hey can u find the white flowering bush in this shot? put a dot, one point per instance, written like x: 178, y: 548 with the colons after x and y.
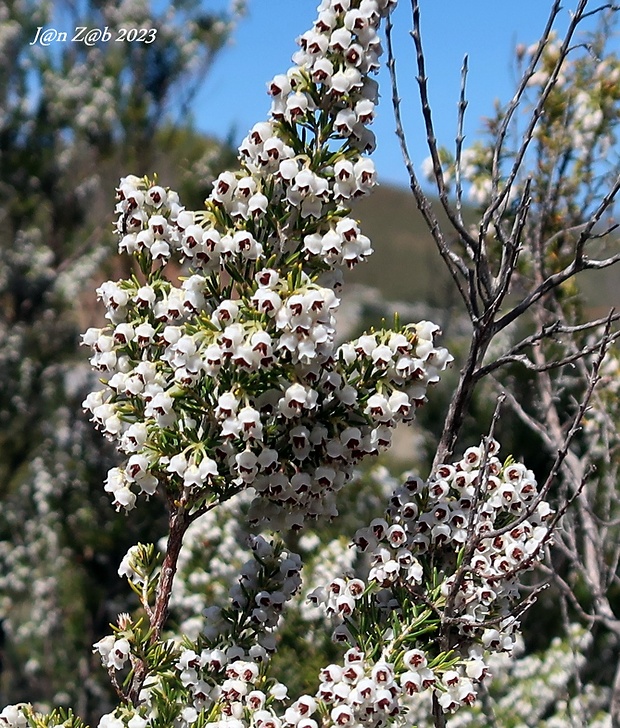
x: 534, y: 689
x: 226, y: 392
x: 69, y: 112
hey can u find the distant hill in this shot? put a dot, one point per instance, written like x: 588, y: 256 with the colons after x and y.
x: 406, y: 265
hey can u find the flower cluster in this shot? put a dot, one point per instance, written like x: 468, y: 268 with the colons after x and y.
x: 114, y: 651
x: 255, y: 390
x: 268, y: 580
x: 476, y: 504
x: 381, y: 692
x: 533, y: 685
x: 233, y: 379
x: 584, y: 92
x: 224, y: 669
x: 456, y: 546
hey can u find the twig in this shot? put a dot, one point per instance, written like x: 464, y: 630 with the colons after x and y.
x: 462, y: 106
x: 499, y: 196
x: 513, y: 357
x: 422, y: 80
x: 563, y: 449
x: 456, y: 266
x: 553, y: 281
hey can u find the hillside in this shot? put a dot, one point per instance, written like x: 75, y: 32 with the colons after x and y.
x: 406, y: 266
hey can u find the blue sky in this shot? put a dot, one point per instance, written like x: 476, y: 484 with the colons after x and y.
x: 234, y: 95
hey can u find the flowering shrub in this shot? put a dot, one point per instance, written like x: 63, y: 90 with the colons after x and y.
x: 70, y: 112
x: 226, y: 382
x: 239, y: 361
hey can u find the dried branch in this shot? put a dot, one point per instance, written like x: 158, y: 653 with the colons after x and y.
x: 498, y: 197
x: 596, y: 216
x: 459, y: 142
x: 456, y: 266
x: 550, y: 283
x: 513, y: 356
x: 563, y: 449
x: 422, y: 80
x: 510, y: 252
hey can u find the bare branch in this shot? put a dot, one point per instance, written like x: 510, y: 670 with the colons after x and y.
x: 422, y: 79
x: 459, y: 142
x: 605, y: 204
x: 510, y: 251
x: 439, y: 719
x: 456, y: 266
x: 530, y: 421
x: 607, y: 6
x: 567, y: 591
x: 563, y: 449
x: 498, y: 197
x: 513, y: 356
x: 178, y: 521
x: 553, y: 281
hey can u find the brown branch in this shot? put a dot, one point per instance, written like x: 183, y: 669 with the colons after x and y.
x: 548, y: 331
x: 178, y: 523
x: 606, y: 203
x: 498, y: 197
x: 422, y: 80
x: 456, y: 266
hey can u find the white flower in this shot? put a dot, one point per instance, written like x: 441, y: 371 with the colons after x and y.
x: 12, y: 717
x: 137, y: 721
x: 110, y: 721
x: 127, y: 569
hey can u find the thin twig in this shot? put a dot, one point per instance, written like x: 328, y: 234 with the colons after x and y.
x: 513, y: 357
x: 498, y: 197
x: 563, y: 449
x: 422, y: 80
x: 462, y: 106
x: 456, y: 266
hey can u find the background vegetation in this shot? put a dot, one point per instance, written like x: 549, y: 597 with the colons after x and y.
x: 70, y: 122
